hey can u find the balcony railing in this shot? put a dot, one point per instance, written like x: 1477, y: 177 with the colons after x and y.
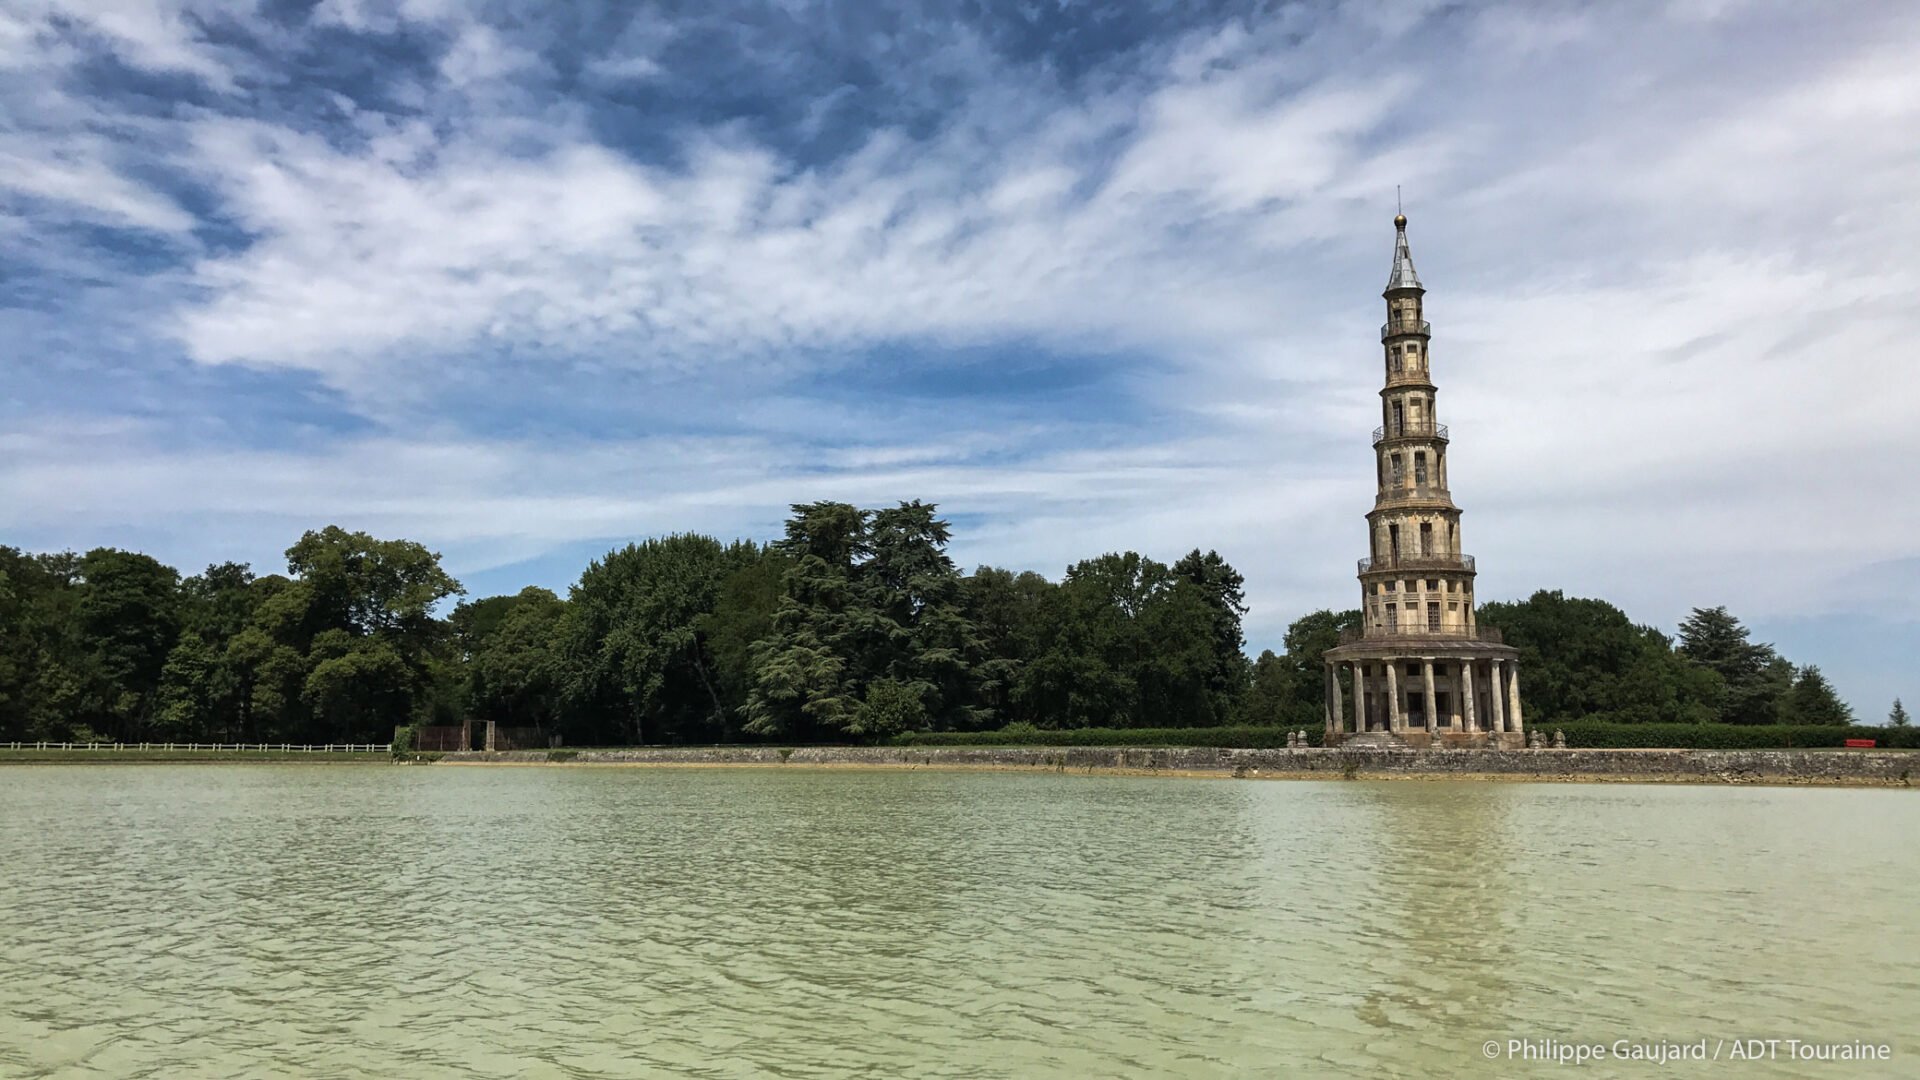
x: 1397, y: 327
x: 1404, y: 561
x: 1413, y: 431
x: 1488, y: 634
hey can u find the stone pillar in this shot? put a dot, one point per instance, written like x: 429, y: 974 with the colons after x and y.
x: 1496, y: 690
x: 1433, y: 707
x: 489, y: 736
x: 1466, y: 696
x: 1339, y: 702
x: 1455, y: 718
x: 1332, y: 721
x: 466, y: 734
x: 1513, y: 689
x: 1395, y: 722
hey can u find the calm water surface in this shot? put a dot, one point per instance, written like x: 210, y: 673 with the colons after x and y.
x: 378, y: 921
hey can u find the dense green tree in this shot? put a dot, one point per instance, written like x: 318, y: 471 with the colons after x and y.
x: 512, y: 648
x: 194, y: 693
x: 1812, y: 700
x: 1009, y: 613
x: 370, y: 587
x: 1224, y: 591
x: 46, y: 676
x: 1290, y: 689
x: 267, y: 662
x: 128, y: 619
x: 1126, y: 643
x: 1269, y: 698
x: 203, y: 694
x: 854, y: 625
x: 360, y: 614
x: 359, y: 688
x: 925, y: 644
x: 804, y: 680
x: 1898, y: 716
x: 870, y: 599
x: 636, y: 665
x: 1584, y: 659
x: 1754, y: 676
x: 742, y: 615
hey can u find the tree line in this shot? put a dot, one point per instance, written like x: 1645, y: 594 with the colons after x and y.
x: 854, y: 625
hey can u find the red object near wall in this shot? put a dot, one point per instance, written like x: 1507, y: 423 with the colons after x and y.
x: 1865, y: 744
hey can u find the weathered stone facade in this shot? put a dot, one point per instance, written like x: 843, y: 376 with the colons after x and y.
x: 1421, y: 670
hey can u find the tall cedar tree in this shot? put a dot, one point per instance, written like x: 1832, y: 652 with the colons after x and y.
x: 871, y: 637
x: 1754, y: 675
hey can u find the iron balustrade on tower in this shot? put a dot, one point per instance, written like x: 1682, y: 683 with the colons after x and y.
x: 1416, y: 562
x: 1401, y: 327
x: 1410, y: 431
x: 1489, y: 634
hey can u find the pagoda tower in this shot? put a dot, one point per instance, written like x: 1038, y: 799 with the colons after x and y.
x: 1421, y: 670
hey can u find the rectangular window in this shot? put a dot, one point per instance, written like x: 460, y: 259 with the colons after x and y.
x: 1433, y: 586
x: 1433, y: 616
x: 1426, y: 539
x: 1419, y: 466
x: 1393, y: 617
x: 1392, y: 586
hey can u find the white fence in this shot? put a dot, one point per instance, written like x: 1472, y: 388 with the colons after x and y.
x: 292, y: 748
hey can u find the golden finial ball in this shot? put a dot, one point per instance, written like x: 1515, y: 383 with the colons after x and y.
x: 1399, y: 221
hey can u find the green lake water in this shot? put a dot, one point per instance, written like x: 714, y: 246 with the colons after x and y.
x: 381, y: 921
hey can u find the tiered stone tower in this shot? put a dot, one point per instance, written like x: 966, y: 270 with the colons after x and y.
x: 1422, y: 672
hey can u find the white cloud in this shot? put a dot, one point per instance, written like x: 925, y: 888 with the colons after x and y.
x: 78, y: 177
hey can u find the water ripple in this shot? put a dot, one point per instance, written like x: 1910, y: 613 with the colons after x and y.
x: 290, y: 921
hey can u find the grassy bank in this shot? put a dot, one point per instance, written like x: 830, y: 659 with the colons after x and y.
x: 127, y: 756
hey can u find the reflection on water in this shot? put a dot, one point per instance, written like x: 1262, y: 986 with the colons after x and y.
x: 340, y: 921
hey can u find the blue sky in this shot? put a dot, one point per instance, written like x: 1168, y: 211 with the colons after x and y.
x: 528, y: 280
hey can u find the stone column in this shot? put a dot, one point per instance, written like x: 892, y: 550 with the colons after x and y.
x: 1361, y: 692
x: 1339, y: 703
x: 1327, y: 678
x: 1395, y: 722
x: 489, y: 736
x: 1513, y: 689
x: 1433, y: 707
x: 1466, y: 696
x: 466, y: 734
x: 1496, y: 690
x: 1455, y: 719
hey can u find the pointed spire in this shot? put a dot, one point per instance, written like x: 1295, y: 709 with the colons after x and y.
x: 1403, y: 276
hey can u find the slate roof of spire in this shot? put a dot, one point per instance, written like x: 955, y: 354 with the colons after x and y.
x: 1403, y: 276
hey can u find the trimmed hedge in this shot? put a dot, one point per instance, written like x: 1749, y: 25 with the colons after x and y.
x: 1601, y: 734
x: 1591, y: 734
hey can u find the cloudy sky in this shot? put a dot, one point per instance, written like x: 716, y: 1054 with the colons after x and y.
x: 526, y: 280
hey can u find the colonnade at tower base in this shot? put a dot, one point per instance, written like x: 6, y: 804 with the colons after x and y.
x: 1444, y: 692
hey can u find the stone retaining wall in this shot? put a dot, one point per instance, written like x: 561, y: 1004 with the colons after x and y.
x: 1858, y: 767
